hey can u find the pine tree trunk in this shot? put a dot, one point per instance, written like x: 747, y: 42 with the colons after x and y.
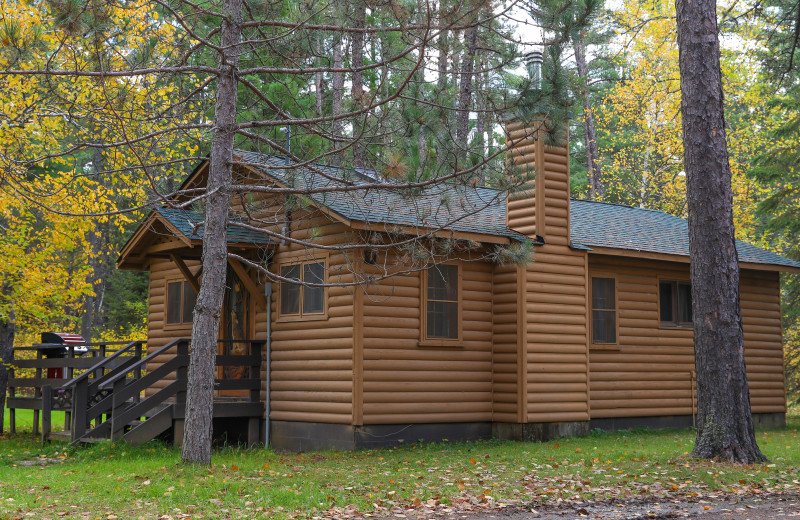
x: 7, y: 330
x: 338, y: 93
x: 724, y: 420
x: 465, y: 92
x: 207, y: 311
x: 590, y: 136
x: 318, y: 94
x: 357, y: 89
x: 444, y: 54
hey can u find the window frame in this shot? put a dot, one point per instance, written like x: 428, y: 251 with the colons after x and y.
x: 607, y: 345
x: 672, y: 325
x: 302, y: 261
x: 180, y: 325
x: 424, y: 340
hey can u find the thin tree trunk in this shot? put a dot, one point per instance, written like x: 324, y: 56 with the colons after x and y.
x: 98, y: 258
x: 724, y: 420
x: 444, y: 54
x: 590, y: 136
x: 357, y: 89
x: 465, y: 92
x: 7, y: 331
x: 207, y: 311
x: 318, y: 75
x: 643, y: 182
x: 338, y: 93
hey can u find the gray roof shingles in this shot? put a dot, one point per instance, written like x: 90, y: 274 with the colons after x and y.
x: 187, y: 222
x: 597, y: 224
x: 482, y: 210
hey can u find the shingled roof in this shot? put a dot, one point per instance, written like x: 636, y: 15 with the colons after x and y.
x: 483, y: 210
x: 439, y: 206
x: 187, y: 222
x: 598, y: 224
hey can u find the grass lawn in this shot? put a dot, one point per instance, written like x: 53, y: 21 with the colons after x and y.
x: 116, y: 481
x: 25, y: 420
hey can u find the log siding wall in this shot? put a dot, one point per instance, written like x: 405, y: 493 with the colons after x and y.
x: 557, y: 356
x: 408, y: 383
x: 650, y: 372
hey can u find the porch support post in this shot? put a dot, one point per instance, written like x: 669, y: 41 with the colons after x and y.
x: 185, y: 271
x: 248, y: 282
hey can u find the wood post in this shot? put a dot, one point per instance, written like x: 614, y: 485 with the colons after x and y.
x: 47, y: 407
x: 117, y: 429
x: 80, y: 398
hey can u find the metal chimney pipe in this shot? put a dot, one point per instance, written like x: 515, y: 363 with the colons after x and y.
x: 533, y: 62
x: 287, y: 130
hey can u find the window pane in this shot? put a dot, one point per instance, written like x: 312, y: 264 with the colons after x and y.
x: 290, y: 292
x: 314, y: 297
x: 443, y: 282
x: 665, y: 301
x: 684, y: 303
x: 604, y: 326
x: 603, y: 293
x: 174, y: 302
x: 442, y: 320
x: 189, y: 299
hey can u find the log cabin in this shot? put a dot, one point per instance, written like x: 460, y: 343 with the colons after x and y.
x: 375, y: 348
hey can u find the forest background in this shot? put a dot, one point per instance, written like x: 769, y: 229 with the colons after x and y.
x: 75, y: 181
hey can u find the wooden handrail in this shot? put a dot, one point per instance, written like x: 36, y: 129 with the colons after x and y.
x: 100, y: 364
x: 143, y: 362
x: 39, y: 346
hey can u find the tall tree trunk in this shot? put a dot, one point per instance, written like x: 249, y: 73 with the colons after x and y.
x: 7, y: 331
x: 589, y: 135
x: 318, y: 75
x: 465, y: 91
x: 724, y: 420
x: 98, y: 257
x: 643, y: 182
x: 207, y: 311
x: 441, y: 87
x: 357, y: 89
x: 338, y: 94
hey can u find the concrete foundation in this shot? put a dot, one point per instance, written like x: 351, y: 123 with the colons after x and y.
x: 306, y: 436
x: 539, y: 432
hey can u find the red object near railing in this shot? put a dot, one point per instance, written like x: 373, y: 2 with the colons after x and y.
x: 61, y: 338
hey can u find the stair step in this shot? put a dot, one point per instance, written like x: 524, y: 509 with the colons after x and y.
x: 151, y: 428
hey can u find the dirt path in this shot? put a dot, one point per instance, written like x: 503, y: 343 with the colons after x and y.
x: 762, y: 507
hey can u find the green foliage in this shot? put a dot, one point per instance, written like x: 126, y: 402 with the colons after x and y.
x: 126, y: 301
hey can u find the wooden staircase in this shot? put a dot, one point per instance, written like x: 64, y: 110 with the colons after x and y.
x: 116, y: 400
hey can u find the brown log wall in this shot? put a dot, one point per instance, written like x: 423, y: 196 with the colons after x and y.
x: 556, y: 336
x: 649, y: 373
x: 312, y: 361
x: 158, y: 332
x: 506, y: 347
x: 404, y: 382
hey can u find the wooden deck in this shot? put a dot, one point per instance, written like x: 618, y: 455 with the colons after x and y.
x: 107, y: 393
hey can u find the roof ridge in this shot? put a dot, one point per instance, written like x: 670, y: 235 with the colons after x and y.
x: 626, y: 206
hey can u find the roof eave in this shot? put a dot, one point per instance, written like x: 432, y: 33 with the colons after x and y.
x: 684, y: 259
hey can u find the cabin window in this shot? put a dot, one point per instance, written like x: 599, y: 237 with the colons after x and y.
x: 181, y: 298
x: 441, y: 303
x: 675, y: 303
x: 298, y: 299
x: 604, y: 310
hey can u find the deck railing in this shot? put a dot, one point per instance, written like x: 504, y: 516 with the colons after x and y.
x: 106, y: 389
x: 138, y: 407
x: 43, y: 369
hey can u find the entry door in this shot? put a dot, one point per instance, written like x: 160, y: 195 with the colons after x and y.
x: 236, y: 327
